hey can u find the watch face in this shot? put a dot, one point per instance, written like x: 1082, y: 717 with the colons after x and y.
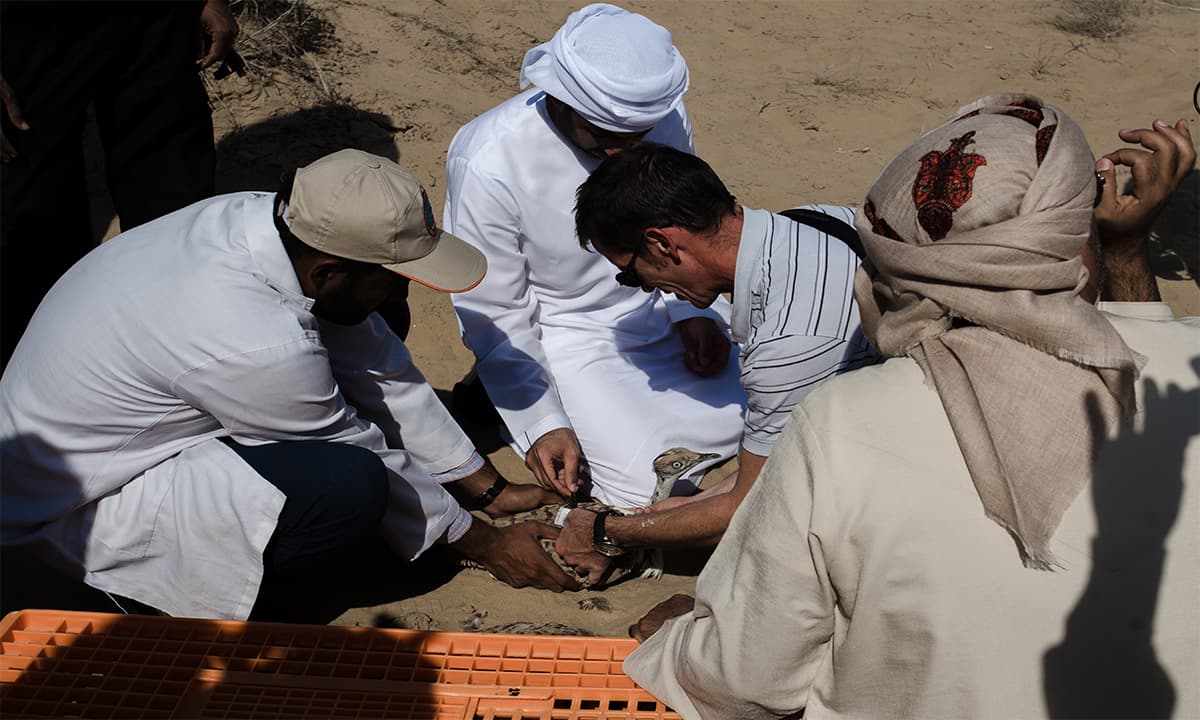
x: 601, y: 543
x: 608, y: 549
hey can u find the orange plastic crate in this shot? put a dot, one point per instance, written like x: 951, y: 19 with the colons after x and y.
x: 93, y: 665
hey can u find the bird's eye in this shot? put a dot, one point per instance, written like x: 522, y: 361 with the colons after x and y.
x: 677, y: 464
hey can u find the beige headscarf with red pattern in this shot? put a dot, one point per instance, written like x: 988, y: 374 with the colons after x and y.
x: 973, y: 236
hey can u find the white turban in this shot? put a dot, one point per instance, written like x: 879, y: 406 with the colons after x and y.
x: 617, y: 69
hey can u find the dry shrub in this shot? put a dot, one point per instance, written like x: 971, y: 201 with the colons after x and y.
x: 277, y: 34
x: 283, y: 43
x: 1100, y: 19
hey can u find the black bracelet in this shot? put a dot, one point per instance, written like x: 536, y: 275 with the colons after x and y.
x: 487, y: 497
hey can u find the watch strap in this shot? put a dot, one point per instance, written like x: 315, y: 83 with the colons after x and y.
x: 488, y: 496
x: 599, y: 534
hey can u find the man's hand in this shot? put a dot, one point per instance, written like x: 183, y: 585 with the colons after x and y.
x: 519, y: 497
x: 674, y: 606
x: 705, y: 347
x: 515, y: 554
x: 555, y: 460
x: 1125, y: 220
x: 574, y: 544
x: 13, y: 110
x: 514, y: 498
x: 216, y: 21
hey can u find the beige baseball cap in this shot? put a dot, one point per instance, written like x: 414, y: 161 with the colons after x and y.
x: 364, y: 207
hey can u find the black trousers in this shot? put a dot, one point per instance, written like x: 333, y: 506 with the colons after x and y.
x: 336, y: 497
x: 135, y: 63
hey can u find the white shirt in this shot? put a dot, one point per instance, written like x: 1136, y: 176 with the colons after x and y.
x: 559, y: 342
x: 794, y: 315
x: 155, y: 345
x: 860, y: 578
x: 511, y: 181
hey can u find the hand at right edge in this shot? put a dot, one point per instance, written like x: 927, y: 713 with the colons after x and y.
x: 648, y: 624
x: 1123, y: 221
x: 15, y: 116
x: 1158, y: 167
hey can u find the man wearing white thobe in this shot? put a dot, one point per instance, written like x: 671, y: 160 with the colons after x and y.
x: 209, y: 399
x: 563, y: 350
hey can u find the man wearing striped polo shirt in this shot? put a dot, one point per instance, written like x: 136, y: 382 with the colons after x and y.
x: 666, y: 220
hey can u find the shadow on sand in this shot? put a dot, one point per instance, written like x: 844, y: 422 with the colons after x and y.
x: 1106, y: 664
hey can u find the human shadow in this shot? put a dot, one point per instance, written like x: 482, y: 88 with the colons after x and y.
x: 37, y: 573
x: 661, y: 364
x: 373, y: 574
x: 32, y: 574
x: 1106, y: 665
x: 1174, y: 248
x: 60, y: 664
x: 105, y: 664
x: 100, y: 663
x: 471, y: 404
x: 254, y: 156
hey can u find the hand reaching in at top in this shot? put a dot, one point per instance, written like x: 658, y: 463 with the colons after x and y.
x: 1158, y: 168
x: 1123, y: 221
x: 13, y: 110
x: 218, y: 23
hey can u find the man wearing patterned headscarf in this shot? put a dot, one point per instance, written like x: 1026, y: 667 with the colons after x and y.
x: 1002, y: 519
x: 592, y: 378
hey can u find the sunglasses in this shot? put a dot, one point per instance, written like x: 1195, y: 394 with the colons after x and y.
x: 628, y: 276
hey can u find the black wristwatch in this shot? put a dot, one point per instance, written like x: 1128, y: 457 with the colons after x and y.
x: 601, y: 542
x: 486, y: 497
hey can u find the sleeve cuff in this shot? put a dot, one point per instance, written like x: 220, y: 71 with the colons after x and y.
x: 758, y: 446
x: 1137, y: 310
x: 529, y: 436
x: 471, y: 465
x: 459, y: 526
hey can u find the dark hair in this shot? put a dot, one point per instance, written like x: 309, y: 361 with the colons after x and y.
x: 283, y: 196
x: 649, y: 186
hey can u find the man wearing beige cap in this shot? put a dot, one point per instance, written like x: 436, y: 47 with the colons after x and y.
x: 206, y: 407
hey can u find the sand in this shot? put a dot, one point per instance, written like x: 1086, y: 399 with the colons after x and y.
x: 792, y: 102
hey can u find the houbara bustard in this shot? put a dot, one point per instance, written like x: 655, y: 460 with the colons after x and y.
x: 669, y: 467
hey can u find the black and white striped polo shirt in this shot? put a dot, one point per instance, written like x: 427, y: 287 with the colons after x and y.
x: 794, y: 315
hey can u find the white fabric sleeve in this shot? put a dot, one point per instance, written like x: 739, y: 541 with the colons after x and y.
x: 728, y: 658
x: 779, y: 371
x: 471, y: 466
x: 460, y: 526
x: 1158, y: 311
x: 296, y: 398
x: 497, y: 318
x: 379, y: 379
